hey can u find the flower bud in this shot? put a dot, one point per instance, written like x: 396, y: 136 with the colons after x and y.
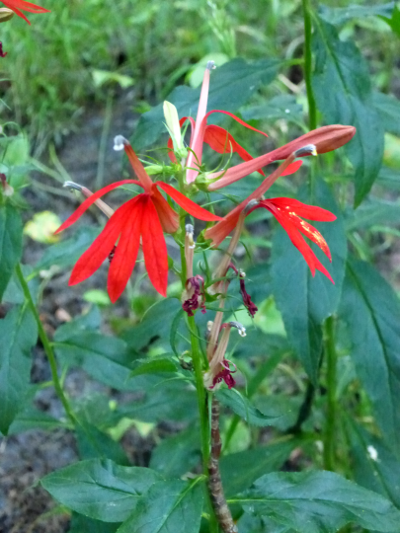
x: 324, y: 139
x: 5, y: 14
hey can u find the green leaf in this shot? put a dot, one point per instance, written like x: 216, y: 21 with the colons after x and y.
x: 93, y: 444
x: 154, y: 365
x: 82, y: 524
x: 373, y: 212
x: 283, y: 106
x: 67, y: 252
x: 315, y: 502
x: 375, y: 466
x: 168, y: 506
x: 231, y: 86
x: 32, y: 418
x: 340, y: 65
x: 18, y: 333
x: 339, y: 15
x: 177, y: 455
x: 155, y: 326
x: 388, y: 108
x: 105, y: 358
x: 371, y: 311
x: 305, y: 302
x: 167, y: 400
x: 100, y: 489
x: 245, y: 409
x: 174, y: 330
x: 10, y: 243
x: 240, y: 470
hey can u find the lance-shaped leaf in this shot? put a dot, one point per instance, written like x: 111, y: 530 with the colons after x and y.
x: 10, y: 243
x: 100, y: 489
x: 340, y: 65
x: 375, y: 466
x: 169, y: 506
x: 315, y: 502
x: 371, y: 311
x: 305, y: 302
x: 18, y: 333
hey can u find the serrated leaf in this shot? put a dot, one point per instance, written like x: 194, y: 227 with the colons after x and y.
x: 371, y: 311
x: 305, y: 302
x: 18, y: 334
x: 167, y: 506
x: 315, y: 502
x: 375, y: 466
x: 340, y: 65
x: 245, y: 409
x: 176, y: 455
x: 100, y: 489
x: 240, y: 470
x: 10, y: 243
x: 231, y: 86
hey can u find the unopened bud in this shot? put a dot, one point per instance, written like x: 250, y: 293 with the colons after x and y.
x: 5, y: 14
x: 120, y: 142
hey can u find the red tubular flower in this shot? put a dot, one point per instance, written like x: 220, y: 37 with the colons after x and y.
x: 139, y: 221
x: 288, y: 213
x: 17, y: 5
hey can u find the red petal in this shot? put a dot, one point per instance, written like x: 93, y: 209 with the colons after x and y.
x: 154, y: 248
x: 221, y: 141
x: 292, y: 168
x: 90, y: 201
x: 297, y: 240
x: 139, y: 169
x: 168, y: 217
x: 25, y: 6
x: 235, y: 118
x: 124, y: 259
x: 188, y: 205
x: 100, y: 249
x: 312, y: 212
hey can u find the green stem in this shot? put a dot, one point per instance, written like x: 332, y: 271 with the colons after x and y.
x: 330, y: 425
x: 46, y: 344
x: 312, y: 108
x: 201, y: 393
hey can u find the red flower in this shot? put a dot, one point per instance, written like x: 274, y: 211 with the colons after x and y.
x: 17, y: 5
x: 139, y: 221
x: 288, y: 213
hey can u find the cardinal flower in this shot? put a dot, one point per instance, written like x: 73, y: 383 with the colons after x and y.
x: 17, y: 5
x: 288, y: 213
x: 138, y: 222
